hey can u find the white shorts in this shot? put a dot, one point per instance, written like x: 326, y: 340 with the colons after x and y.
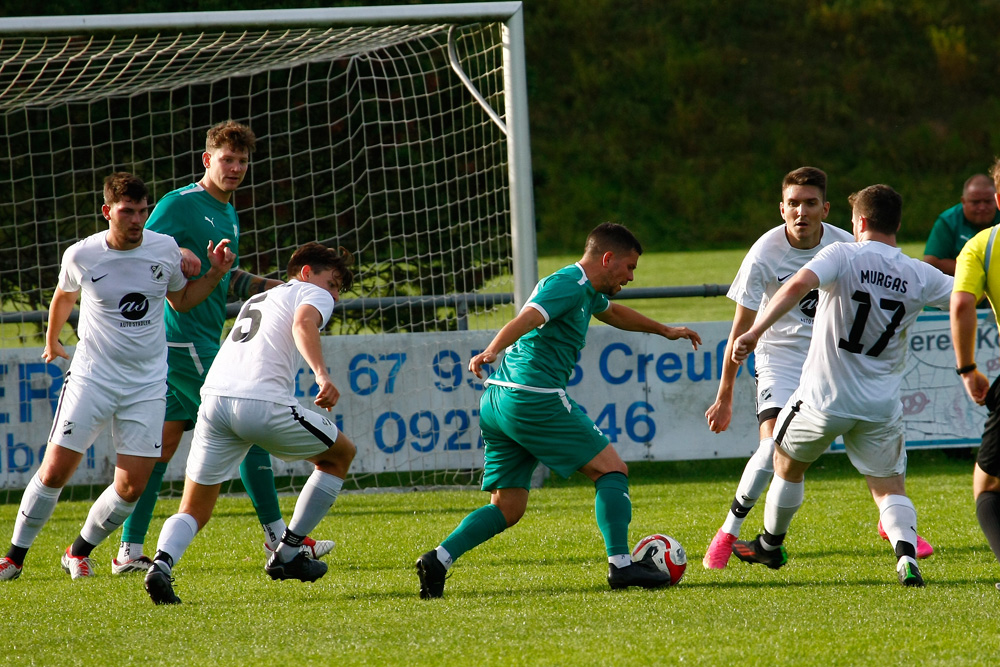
x: 227, y: 426
x: 775, y: 385
x: 875, y: 449
x: 135, y: 414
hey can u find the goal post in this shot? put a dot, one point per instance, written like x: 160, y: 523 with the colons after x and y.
x: 399, y: 132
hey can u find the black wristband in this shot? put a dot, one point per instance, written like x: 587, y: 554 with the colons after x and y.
x: 966, y: 369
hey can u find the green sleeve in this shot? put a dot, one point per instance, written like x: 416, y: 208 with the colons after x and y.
x: 941, y: 242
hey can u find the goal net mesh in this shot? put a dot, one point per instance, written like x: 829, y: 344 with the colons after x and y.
x: 367, y: 139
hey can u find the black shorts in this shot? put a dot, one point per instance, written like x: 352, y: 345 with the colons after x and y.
x: 989, y: 452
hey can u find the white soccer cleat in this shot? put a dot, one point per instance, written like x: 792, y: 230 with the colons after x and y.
x: 8, y: 570
x: 140, y: 564
x: 314, y: 549
x: 77, y: 567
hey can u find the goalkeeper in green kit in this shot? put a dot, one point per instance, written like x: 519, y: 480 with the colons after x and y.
x: 193, y: 215
x: 526, y: 416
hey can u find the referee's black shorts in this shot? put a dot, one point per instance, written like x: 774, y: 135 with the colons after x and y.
x: 989, y: 452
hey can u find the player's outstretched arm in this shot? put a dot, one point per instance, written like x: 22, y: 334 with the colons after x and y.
x: 629, y: 319
x: 963, y: 338
x: 221, y: 258
x: 305, y: 333
x: 720, y: 413
x: 59, y: 312
x: 527, y: 320
x: 244, y: 284
x: 784, y: 300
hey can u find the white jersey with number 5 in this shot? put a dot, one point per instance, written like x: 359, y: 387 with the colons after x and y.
x: 870, y: 293
x: 258, y: 359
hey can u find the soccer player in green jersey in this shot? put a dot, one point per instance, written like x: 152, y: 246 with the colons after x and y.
x: 194, y: 215
x: 526, y: 416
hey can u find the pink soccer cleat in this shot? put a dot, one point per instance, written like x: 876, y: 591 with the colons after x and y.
x: 719, y: 551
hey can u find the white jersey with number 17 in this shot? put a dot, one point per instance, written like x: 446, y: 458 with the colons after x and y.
x: 258, y: 359
x: 870, y: 293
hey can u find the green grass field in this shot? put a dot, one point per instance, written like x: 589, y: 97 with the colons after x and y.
x: 535, y: 595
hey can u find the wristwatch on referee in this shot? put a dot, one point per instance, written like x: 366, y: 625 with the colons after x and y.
x: 962, y: 370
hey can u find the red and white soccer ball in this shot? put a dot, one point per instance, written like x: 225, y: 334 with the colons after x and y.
x: 667, y: 553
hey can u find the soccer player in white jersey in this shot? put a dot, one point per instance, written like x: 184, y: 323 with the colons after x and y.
x: 774, y: 258
x: 118, y: 373
x: 258, y: 405
x: 869, y: 295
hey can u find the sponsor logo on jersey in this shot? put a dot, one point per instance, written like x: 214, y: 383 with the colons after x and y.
x: 782, y: 279
x: 808, y: 303
x: 210, y: 221
x: 133, y: 306
x: 94, y: 279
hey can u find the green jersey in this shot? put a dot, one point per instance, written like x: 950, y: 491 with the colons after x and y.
x: 545, y: 357
x: 193, y: 217
x: 950, y: 233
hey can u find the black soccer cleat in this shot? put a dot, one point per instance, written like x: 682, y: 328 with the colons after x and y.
x: 159, y: 586
x: 642, y: 573
x: 909, y: 574
x: 432, y: 575
x: 301, y: 567
x: 752, y: 552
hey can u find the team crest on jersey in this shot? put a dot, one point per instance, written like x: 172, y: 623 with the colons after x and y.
x: 157, y: 271
x: 67, y: 427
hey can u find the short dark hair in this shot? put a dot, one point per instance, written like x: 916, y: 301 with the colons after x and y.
x: 611, y: 236
x: 881, y: 206
x: 321, y: 258
x: 122, y: 184
x: 232, y: 135
x: 994, y: 174
x: 805, y: 176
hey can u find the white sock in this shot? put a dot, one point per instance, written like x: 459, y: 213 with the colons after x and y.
x: 176, y: 536
x: 37, y: 504
x: 106, y: 515
x: 444, y: 557
x: 621, y: 560
x: 129, y: 551
x: 756, y: 475
x: 783, y: 500
x: 273, y: 532
x: 899, y: 520
x: 317, y: 497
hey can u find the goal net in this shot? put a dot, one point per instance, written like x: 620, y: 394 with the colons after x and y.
x: 399, y: 133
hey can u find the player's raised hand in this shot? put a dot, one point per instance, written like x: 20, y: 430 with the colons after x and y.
x: 328, y: 395
x: 477, y: 362
x: 220, y: 256
x: 744, y: 345
x: 673, y: 333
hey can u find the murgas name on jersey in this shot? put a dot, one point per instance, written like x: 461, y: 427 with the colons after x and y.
x: 879, y: 279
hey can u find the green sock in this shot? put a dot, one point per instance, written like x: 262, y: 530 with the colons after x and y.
x: 614, y: 511
x: 258, y: 480
x: 137, y: 524
x: 475, y: 529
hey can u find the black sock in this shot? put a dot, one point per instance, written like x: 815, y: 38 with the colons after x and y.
x: 291, y: 539
x: 905, y: 549
x: 739, y: 511
x: 81, y: 547
x: 988, y: 513
x: 165, y: 557
x: 773, y: 540
x: 17, y: 554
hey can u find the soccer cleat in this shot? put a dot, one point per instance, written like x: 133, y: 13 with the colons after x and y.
x: 432, y: 574
x: 719, y: 551
x: 639, y: 573
x: 140, y: 564
x: 9, y: 570
x: 909, y: 574
x: 301, y: 567
x: 78, y: 567
x: 924, y: 548
x: 159, y: 585
x: 314, y: 549
x: 753, y: 552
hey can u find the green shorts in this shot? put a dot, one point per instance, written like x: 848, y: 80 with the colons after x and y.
x: 186, y: 370
x: 521, y: 428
